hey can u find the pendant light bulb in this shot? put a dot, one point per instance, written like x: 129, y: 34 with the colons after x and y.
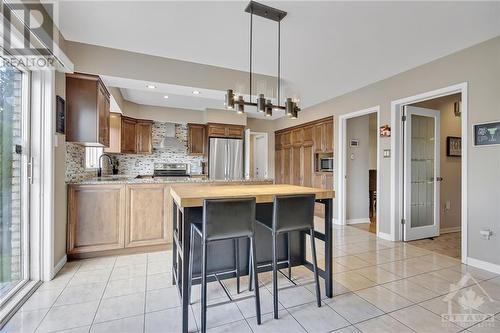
x: 241, y: 105
x: 269, y: 108
x: 289, y: 106
x: 229, y: 99
x: 261, y: 103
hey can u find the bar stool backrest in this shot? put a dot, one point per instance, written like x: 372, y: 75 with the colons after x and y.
x: 293, y: 212
x: 228, y: 218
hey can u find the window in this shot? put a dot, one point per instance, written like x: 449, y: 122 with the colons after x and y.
x: 92, y: 155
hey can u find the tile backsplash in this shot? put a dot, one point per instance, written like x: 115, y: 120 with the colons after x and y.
x: 137, y: 164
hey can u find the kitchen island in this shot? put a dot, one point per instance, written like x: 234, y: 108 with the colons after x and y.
x: 125, y: 214
x: 187, y: 209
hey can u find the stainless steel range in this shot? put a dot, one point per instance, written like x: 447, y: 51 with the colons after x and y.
x: 177, y: 171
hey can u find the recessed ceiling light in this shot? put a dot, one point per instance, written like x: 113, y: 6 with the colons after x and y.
x: 166, y: 96
x: 150, y: 86
x: 196, y: 92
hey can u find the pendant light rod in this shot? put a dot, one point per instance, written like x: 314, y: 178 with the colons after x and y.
x: 251, y: 38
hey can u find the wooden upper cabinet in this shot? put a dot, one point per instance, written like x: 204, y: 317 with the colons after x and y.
x: 286, y: 139
x: 128, y: 135
x: 225, y: 131
x: 307, y: 136
x: 197, y: 139
x: 115, y: 130
x: 87, y: 116
x: 297, y: 136
x: 329, y: 136
x: 277, y: 141
x: 144, y: 136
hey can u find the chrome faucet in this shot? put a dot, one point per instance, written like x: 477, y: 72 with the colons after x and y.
x: 99, y: 171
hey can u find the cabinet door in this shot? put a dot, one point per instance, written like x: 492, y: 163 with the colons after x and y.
x: 277, y: 141
x: 235, y: 132
x: 146, y: 221
x: 103, y: 115
x: 96, y: 218
x: 286, y: 139
x: 115, y: 128
x: 144, y: 138
x: 216, y: 131
x: 278, y: 166
x: 286, y: 173
x: 297, y: 136
x: 196, y: 139
x: 319, y: 137
x: 296, y: 165
x: 128, y: 136
x: 328, y: 181
x: 307, y: 165
x: 329, y: 136
x: 307, y: 136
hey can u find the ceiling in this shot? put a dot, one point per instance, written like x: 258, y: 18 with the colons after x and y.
x: 328, y: 48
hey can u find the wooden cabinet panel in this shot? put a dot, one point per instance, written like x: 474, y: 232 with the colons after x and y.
x: 87, y: 104
x: 115, y: 129
x: 144, y: 136
x: 95, y: 218
x: 319, y: 137
x: 278, y: 166
x: 328, y: 181
x: 128, y: 135
x: 197, y: 139
x: 329, y: 136
x: 286, y: 173
x: 307, y: 135
x: 235, y: 131
x: 297, y: 136
x: 307, y: 165
x: 296, y: 165
x: 277, y: 141
x: 146, y: 222
x: 216, y: 131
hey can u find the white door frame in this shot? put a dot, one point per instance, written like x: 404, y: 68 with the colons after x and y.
x: 397, y: 157
x: 342, y: 162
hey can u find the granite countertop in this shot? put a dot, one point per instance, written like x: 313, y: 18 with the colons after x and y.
x: 132, y: 179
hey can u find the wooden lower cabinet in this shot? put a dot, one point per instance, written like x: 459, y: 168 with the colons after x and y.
x: 147, y: 213
x: 96, y: 218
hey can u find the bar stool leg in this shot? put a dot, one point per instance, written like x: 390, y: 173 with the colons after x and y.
x: 204, y: 288
x: 275, y: 276
x: 289, y: 244
x: 256, y: 279
x: 315, y: 266
x: 237, y: 263
x: 190, y: 274
x: 250, y: 271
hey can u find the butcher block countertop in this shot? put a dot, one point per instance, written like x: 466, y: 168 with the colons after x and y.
x: 192, y: 195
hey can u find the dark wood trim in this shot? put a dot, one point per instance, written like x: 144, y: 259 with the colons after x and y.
x: 128, y: 250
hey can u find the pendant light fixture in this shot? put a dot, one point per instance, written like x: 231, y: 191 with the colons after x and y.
x: 263, y: 105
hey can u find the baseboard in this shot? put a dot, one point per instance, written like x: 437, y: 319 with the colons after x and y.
x: 336, y: 221
x: 449, y: 230
x: 358, y: 221
x: 383, y: 235
x: 58, y: 266
x: 487, y: 266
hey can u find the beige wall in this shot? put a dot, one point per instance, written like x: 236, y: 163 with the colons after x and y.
x: 480, y: 67
x: 450, y: 167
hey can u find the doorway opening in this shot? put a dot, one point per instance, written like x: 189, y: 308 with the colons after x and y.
x: 256, y: 156
x: 358, y: 175
x: 429, y: 175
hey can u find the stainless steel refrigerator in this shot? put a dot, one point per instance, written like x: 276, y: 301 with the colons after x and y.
x: 225, y: 159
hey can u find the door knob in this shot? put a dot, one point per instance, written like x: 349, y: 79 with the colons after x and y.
x: 439, y: 179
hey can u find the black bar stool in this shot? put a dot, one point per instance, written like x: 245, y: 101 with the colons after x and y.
x: 291, y: 213
x: 224, y: 220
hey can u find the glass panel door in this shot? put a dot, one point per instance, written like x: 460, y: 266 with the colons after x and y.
x: 14, y: 153
x: 421, y: 173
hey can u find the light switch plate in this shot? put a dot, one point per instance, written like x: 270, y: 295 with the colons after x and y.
x: 387, y: 153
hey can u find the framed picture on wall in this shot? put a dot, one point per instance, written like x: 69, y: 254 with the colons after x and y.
x: 487, y: 134
x: 385, y: 131
x: 454, y: 146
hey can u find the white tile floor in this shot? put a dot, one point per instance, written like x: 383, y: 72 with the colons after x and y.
x: 380, y: 286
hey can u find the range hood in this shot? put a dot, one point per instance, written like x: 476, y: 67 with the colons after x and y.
x: 170, y: 141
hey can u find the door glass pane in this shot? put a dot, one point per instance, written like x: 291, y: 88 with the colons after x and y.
x: 11, y: 226
x: 422, y: 170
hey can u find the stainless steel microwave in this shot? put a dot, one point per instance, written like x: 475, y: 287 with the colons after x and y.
x: 325, y: 163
